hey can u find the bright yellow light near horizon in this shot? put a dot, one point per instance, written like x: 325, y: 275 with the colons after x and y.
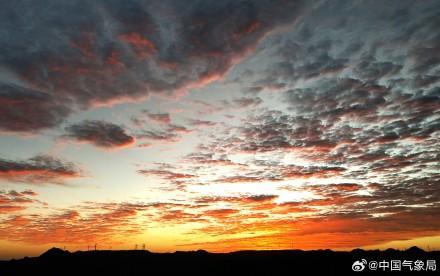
x: 430, y: 243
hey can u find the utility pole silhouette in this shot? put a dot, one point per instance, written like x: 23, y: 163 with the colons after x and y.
x: 135, y: 247
x: 95, y: 246
x: 143, y: 246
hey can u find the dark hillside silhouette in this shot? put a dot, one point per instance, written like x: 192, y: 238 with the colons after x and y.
x: 142, y: 262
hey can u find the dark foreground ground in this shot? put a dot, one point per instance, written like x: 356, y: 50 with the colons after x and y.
x: 285, y: 262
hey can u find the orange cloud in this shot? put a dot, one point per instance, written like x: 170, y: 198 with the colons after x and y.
x: 143, y: 46
x: 39, y: 169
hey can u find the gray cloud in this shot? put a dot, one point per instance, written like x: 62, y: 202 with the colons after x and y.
x: 201, y: 123
x: 99, y: 133
x: 243, y: 102
x: 83, y: 54
x: 163, y: 118
x: 38, y: 170
x: 24, y: 109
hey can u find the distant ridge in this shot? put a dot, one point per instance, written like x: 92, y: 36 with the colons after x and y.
x: 415, y: 250
x: 54, y: 252
x: 56, y: 261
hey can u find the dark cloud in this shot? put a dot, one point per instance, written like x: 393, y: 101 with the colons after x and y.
x: 24, y: 109
x: 201, y: 123
x: 371, y: 70
x: 178, y: 129
x: 348, y: 137
x: 158, y: 135
x: 84, y: 54
x: 243, y: 102
x: 253, y: 89
x: 333, y: 46
x: 172, y: 133
x: 201, y: 158
x: 38, y: 170
x: 204, y: 107
x: 168, y: 133
x: 336, y: 98
x: 163, y: 118
x: 296, y: 172
x: 99, y: 133
x: 260, y: 198
x: 274, y: 130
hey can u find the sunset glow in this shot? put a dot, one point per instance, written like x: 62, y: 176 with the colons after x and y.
x: 219, y: 125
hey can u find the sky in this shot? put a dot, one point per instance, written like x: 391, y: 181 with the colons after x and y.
x: 219, y: 125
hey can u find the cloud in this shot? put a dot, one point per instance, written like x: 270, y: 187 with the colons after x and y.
x: 157, y: 135
x: 13, y: 201
x: 239, y: 179
x: 172, y: 133
x: 106, y: 52
x: 163, y: 118
x: 343, y: 152
x: 40, y: 169
x: 220, y: 214
x: 273, y: 130
x: 168, y: 175
x: 296, y: 172
x: 260, y: 198
x: 201, y: 158
x: 243, y: 200
x: 178, y: 129
x: 201, y: 123
x: 369, y: 69
x: 204, y: 107
x: 330, y: 232
x: 99, y: 133
x: 87, y: 223
x: 178, y: 216
x: 258, y: 214
x: 243, y: 102
x: 24, y: 109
